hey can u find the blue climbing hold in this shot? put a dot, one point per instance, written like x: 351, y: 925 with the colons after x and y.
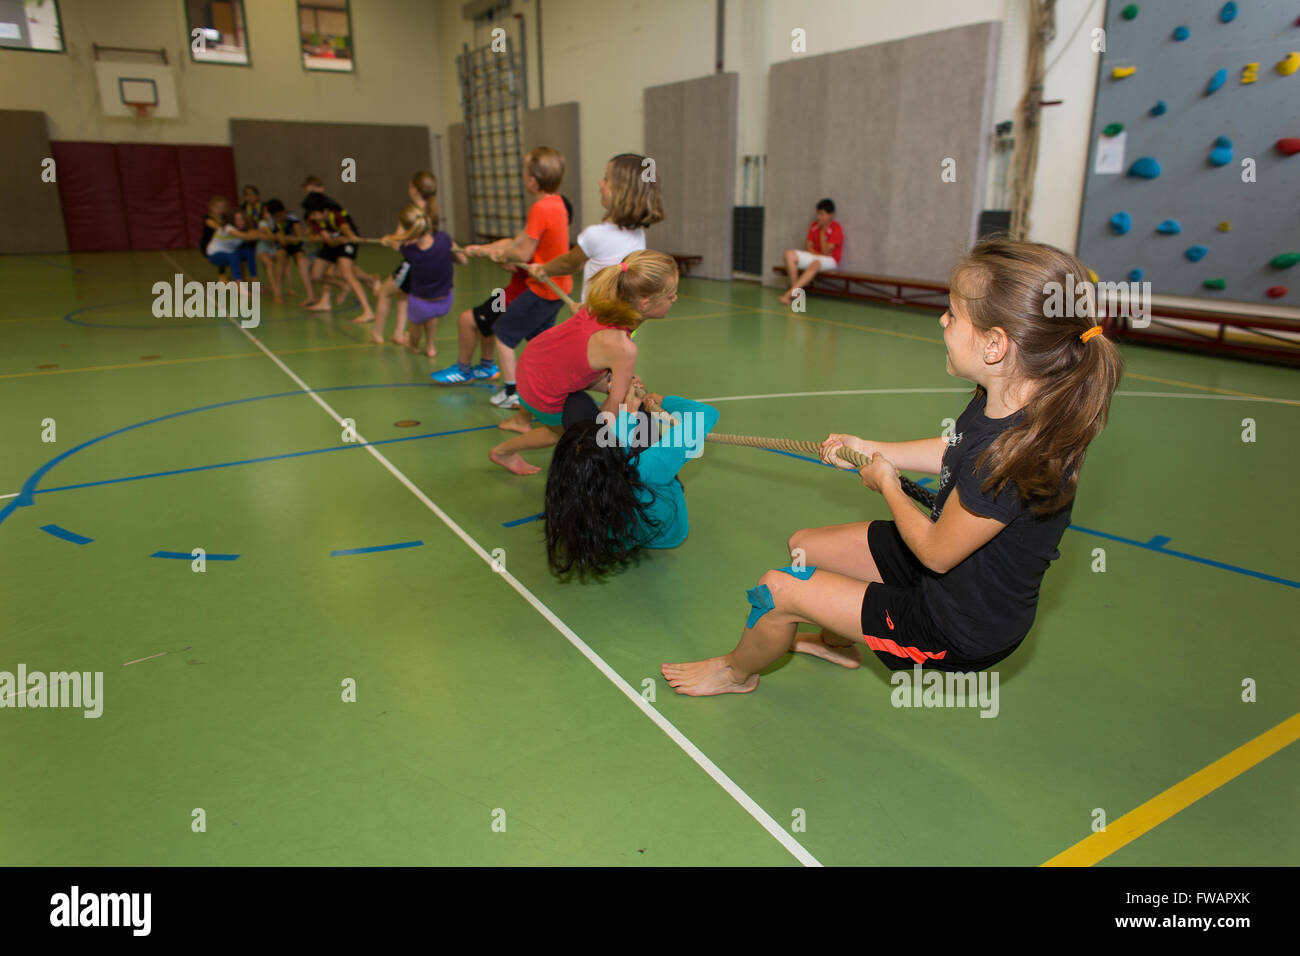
x: 1196, y: 253
x: 1220, y: 77
x: 1169, y: 227
x: 1145, y: 168
x: 1221, y: 155
x: 1121, y: 223
x: 1159, y: 109
x: 1181, y: 33
x: 1135, y: 275
x: 1229, y: 12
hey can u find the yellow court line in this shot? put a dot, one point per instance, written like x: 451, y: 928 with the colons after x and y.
x: 1180, y: 796
x: 181, y: 361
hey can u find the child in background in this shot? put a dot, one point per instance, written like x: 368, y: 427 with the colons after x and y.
x: 268, y: 248
x: 287, y: 229
x: 955, y: 590
x: 224, y: 240
x: 338, y: 233
x: 254, y: 213
x: 428, y: 255
x: 631, y: 205
x: 422, y: 190
x: 822, y: 252
x: 545, y: 236
x: 575, y: 355
x: 607, y: 499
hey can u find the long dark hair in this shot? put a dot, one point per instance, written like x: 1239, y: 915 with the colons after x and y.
x: 1008, y: 284
x: 595, y: 519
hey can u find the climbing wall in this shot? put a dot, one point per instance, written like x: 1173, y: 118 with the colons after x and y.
x: 1178, y: 110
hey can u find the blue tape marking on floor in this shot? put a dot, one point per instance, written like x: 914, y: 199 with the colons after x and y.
x: 65, y: 534
x: 254, y: 461
x: 28, y: 490
x: 187, y: 556
x: 1156, y: 545
x: 518, y: 521
x: 377, y: 547
x: 923, y: 482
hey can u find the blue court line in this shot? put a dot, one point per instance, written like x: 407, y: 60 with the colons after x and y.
x: 187, y: 556
x: 377, y: 547
x: 171, y: 324
x: 537, y: 517
x: 254, y: 461
x: 1158, y: 543
x: 26, y: 494
x: 65, y: 534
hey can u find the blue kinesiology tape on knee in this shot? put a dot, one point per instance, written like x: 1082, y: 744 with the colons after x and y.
x: 803, y: 574
x: 760, y: 599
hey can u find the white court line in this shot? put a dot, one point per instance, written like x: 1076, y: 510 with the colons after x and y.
x: 14, y: 495
x: 758, y: 813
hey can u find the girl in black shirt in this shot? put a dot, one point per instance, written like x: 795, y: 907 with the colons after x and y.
x: 955, y: 589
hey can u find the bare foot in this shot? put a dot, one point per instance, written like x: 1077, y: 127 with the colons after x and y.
x: 846, y: 655
x: 513, y: 462
x: 377, y: 339
x: 517, y: 423
x: 322, y: 306
x: 399, y: 340
x: 784, y: 298
x: 279, y: 299
x: 706, y: 678
x: 363, y: 319
x: 431, y: 353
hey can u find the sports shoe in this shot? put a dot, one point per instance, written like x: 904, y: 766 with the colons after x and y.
x: 452, y: 375
x: 486, y: 369
x: 503, y: 399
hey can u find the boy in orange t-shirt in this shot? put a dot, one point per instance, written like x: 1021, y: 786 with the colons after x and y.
x: 545, y: 237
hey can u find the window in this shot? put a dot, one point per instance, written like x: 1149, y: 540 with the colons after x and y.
x: 326, y: 28
x: 31, y: 25
x: 217, y: 31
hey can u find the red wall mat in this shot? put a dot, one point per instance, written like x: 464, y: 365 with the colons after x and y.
x: 206, y: 171
x: 91, y: 195
x: 151, y: 195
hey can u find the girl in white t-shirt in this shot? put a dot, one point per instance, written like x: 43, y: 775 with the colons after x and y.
x: 632, y: 202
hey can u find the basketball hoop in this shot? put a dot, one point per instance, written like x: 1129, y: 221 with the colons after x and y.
x: 142, y: 110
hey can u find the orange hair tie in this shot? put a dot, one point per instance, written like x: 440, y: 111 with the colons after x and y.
x: 1091, y: 333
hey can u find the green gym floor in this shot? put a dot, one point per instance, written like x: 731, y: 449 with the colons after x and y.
x: 486, y: 698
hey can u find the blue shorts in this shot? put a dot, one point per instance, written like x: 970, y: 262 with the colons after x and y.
x: 524, y: 319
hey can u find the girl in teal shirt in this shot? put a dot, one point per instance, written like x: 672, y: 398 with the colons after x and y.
x: 612, y: 487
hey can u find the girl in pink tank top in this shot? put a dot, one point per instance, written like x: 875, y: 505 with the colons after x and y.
x: 592, y: 350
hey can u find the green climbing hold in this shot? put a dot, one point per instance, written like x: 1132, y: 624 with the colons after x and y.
x: 1215, y: 284
x: 1130, y: 12
x: 1285, y: 261
x: 1114, y: 129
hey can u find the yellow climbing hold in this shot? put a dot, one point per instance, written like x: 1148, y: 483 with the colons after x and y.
x: 1248, y: 72
x: 1122, y: 71
x: 1225, y: 226
x: 1289, y: 63
x: 1092, y: 275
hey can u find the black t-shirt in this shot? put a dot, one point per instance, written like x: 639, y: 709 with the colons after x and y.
x: 986, y: 604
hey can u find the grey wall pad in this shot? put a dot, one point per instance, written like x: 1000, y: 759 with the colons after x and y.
x: 32, y: 208
x: 457, y: 215
x: 558, y: 127
x: 870, y: 128
x: 277, y: 156
x: 1264, y: 215
x: 690, y: 133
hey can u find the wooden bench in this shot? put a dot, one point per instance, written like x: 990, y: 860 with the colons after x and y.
x: 924, y: 293
x: 685, y: 263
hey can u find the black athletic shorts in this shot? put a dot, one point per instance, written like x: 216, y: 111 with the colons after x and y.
x: 334, y: 253
x: 402, y: 276
x: 895, y: 621
x: 525, y: 318
x: 292, y: 248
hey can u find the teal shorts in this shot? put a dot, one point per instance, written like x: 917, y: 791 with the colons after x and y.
x: 545, y: 418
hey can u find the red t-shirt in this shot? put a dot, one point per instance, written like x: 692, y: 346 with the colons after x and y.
x: 821, y: 239
x: 548, y: 223
x: 555, y: 363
